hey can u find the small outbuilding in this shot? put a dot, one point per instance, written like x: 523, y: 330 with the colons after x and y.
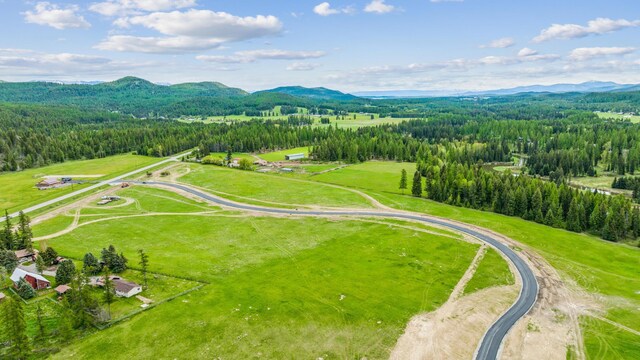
x: 62, y: 289
x: 25, y: 255
x: 126, y: 289
x: 36, y: 281
x: 47, y: 183
x: 298, y: 156
x: 2, y: 296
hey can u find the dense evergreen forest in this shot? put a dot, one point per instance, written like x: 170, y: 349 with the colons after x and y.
x: 556, y: 136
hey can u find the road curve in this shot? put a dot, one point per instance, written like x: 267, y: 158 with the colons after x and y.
x: 489, y: 346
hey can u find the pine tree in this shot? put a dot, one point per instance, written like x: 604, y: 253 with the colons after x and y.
x: 40, y: 265
x: 66, y: 271
x: 49, y: 256
x: 25, y: 290
x: 574, y: 222
x: 24, y: 234
x: 403, y: 181
x: 90, y: 264
x: 6, y: 236
x: 536, y: 207
x: 144, y: 265
x: 15, y: 329
x: 109, y: 290
x: 416, y: 188
x: 8, y: 260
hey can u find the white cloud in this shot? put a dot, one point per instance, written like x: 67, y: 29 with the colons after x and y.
x: 30, y: 64
x: 298, y: 66
x: 131, y: 7
x: 379, y: 7
x: 325, y: 9
x: 594, y: 27
x: 582, y: 54
x: 59, y: 18
x: 189, y: 31
x: 500, y: 43
x: 527, y: 52
x: 250, y: 56
x: 157, y: 45
x: 529, y: 55
x: 209, y: 24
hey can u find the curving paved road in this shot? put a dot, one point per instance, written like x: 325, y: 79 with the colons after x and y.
x: 490, y: 345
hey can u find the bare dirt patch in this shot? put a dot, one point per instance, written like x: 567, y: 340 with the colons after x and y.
x: 455, y: 329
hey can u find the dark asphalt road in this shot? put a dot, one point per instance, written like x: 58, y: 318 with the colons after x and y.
x: 490, y: 344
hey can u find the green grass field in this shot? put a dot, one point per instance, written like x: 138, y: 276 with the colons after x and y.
x: 492, y: 271
x: 17, y: 189
x: 272, y: 190
x: 278, y: 287
x: 612, y: 115
x: 598, y: 266
x: 280, y: 155
x: 605, y: 341
x: 373, y: 175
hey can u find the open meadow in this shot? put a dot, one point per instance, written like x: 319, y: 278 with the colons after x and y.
x: 275, y: 287
x: 18, y: 191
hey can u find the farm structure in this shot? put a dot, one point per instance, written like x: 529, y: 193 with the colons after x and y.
x: 298, y: 156
x: 36, y: 281
x: 25, y: 255
x: 48, y: 184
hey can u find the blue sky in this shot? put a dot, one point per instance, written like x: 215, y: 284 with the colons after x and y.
x: 347, y: 45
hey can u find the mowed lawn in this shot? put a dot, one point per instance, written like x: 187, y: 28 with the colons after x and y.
x: 18, y: 191
x: 278, y: 288
x: 271, y: 190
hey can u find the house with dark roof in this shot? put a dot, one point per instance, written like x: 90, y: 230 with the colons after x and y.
x: 25, y: 255
x: 126, y: 289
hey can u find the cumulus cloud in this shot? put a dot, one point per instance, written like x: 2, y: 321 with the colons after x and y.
x: 500, y: 43
x: 300, y: 66
x: 325, y: 9
x: 582, y: 54
x: 379, y: 7
x: 250, y: 56
x: 594, y: 27
x: 57, y: 17
x: 157, y: 45
x: 129, y: 7
x: 29, y: 63
x: 189, y: 31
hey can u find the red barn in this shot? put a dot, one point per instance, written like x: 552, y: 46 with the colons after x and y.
x: 36, y: 281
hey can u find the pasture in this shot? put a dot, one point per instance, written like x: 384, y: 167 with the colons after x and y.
x: 277, y: 287
x: 18, y: 191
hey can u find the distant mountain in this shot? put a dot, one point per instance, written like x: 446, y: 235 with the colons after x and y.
x: 129, y: 95
x: 318, y: 93
x: 586, y: 87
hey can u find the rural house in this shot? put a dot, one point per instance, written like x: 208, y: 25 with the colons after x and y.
x: 2, y: 296
x: 62, y: 289
x: 126, y: 289
x: 47, y: 183
x: 36, y: 281
x: 25, y: 255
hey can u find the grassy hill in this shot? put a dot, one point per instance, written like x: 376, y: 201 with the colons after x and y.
x: 318, y: 93
x: 128, y: 95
